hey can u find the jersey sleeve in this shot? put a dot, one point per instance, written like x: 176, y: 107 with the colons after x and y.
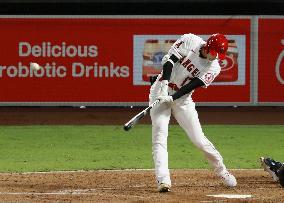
x: 208, y: 75
x: 181, y: 46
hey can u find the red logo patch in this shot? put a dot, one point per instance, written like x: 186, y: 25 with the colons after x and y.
x: 209, y: 78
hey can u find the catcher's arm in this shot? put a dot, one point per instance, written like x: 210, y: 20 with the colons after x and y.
x: 281, y: 175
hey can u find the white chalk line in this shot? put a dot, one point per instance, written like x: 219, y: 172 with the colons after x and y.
x: 72, y: 193
x: 231, y: 196
x: 61, y: 192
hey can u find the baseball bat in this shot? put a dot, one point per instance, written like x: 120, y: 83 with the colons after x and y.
x: 137, y: 117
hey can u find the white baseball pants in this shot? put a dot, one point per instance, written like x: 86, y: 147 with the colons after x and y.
x: 183, y: 109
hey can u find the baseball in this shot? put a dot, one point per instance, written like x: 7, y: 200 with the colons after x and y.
x: 35, y: 66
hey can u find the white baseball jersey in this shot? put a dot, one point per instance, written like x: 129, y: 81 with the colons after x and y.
x: 190, y: 64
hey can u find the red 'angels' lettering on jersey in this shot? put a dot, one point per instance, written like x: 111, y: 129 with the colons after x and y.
x: 190, y: 67
x: 209, y: 78
x: 181, y: 59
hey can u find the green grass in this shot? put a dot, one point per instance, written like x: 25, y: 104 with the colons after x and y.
x: 45, y: 148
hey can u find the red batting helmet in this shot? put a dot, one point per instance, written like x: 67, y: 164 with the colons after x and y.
x: 217, y: 44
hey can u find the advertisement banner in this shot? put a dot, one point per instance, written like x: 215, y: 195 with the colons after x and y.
x: 147, y: 61
x: 109, y: 60
x: 271, y: 60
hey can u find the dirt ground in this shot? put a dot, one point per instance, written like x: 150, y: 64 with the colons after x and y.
x: 134, y: 185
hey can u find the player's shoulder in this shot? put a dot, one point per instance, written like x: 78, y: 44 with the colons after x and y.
x: 192, y: 41
x: 191, y: 36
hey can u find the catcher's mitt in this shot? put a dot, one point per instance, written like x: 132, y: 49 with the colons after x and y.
x: 281, y: 175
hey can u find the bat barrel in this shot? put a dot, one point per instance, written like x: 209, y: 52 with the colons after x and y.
x: 127, y: 126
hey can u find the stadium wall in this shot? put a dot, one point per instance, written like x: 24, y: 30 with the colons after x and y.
x: 245, y: 78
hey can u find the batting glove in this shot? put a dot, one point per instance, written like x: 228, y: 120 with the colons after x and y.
x: 164, y: 88
x: 165, y: 99
x: 165, y: 59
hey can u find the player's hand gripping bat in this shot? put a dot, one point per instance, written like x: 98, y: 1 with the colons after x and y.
x: 136, y: 118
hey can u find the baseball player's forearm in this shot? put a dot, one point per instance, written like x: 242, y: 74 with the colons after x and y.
x: 278, y: 166
x: 168, y: 66
x: 193, y: 84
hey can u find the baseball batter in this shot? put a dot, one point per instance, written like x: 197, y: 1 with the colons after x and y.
x: 190, y: 63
